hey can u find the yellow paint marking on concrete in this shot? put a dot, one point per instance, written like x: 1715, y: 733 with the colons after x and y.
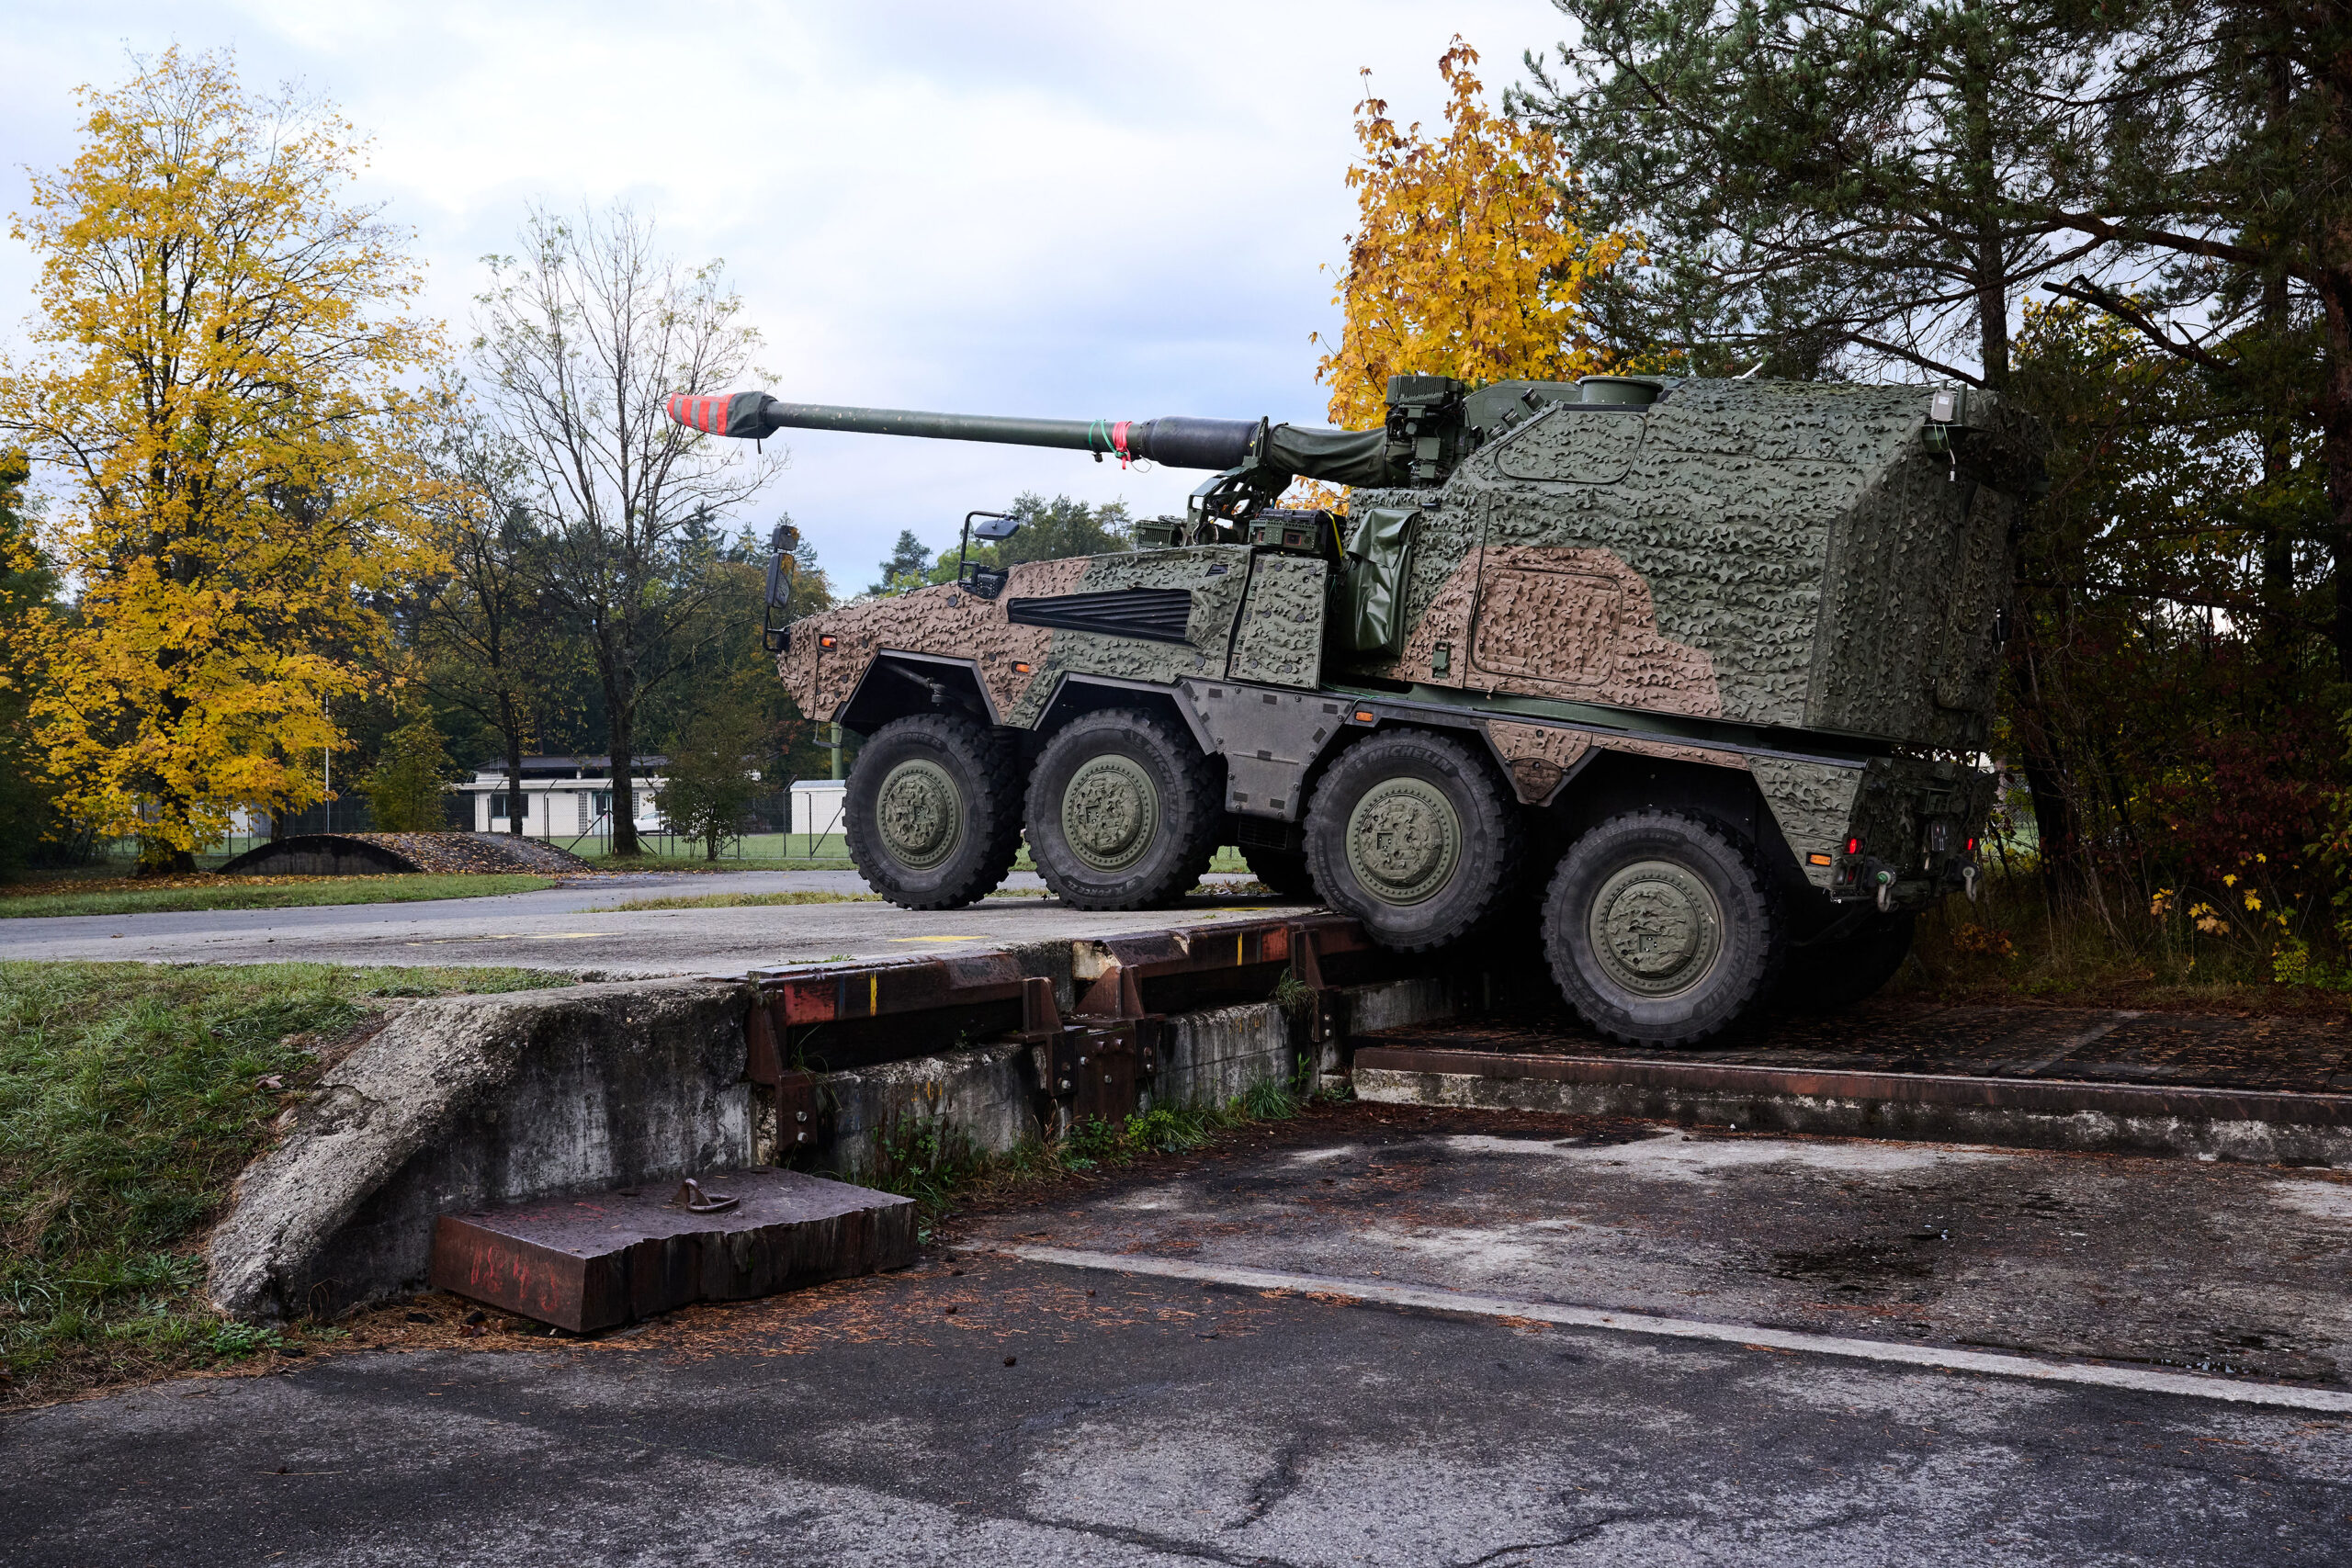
x: 564, y: 936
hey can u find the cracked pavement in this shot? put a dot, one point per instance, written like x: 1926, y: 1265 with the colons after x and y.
x: 1063, y: 1415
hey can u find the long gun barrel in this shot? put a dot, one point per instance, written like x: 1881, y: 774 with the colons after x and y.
x: 1346, y: 456
x: 1178, y: 443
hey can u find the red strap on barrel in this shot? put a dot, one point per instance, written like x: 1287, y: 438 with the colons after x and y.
x: 1119, y: 440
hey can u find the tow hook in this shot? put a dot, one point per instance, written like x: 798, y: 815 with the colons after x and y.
x: 1885, y: 880
x: 1968, y: 876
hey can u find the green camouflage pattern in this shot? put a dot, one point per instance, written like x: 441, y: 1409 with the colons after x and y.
x: 1790, y: 567
x: 1790, y: 554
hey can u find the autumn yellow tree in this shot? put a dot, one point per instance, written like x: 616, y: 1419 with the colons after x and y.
x: 1469, y: 259
x: 214, y: 396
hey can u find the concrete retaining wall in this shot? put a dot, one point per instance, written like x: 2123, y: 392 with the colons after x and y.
x: 465, y: 1101
x: 462, y: 1102
x: 985, y: 1097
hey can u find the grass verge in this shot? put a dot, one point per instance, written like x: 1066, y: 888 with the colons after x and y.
x: 255, y: 893
x: 131, y: 1096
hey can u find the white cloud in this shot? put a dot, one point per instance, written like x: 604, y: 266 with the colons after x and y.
x: 1049, y: 209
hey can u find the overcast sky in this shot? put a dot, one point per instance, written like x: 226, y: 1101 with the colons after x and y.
x: 1064, y: 210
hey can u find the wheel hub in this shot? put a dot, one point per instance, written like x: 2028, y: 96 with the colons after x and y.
x: 1110, y: 812
x: 920, y: 814
x: 1655, y: 928
x: 1403, y: 840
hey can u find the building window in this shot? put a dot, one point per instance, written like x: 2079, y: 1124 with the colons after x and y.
x: 504, y: 806
x: 603, y: 801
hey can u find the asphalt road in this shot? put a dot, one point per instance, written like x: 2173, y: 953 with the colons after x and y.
x: 987, y: 1408
x: 562, y: 927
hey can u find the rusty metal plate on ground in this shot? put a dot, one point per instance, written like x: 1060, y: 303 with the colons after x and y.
x: 598, y: 1261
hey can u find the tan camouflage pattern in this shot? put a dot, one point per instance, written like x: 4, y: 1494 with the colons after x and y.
x: 1537, y: 755
x: 1555, y: 621
x: 946, y: 622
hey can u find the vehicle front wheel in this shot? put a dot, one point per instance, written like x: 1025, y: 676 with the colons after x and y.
x: 1414, y: 836
x: 932, y: 812
x: 1662, y: 929
x: 1124, y: 811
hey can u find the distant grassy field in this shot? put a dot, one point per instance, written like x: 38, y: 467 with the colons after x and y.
x: 131, y: 1096
x: 126, y: 897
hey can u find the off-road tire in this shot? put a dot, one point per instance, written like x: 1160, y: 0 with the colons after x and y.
x: 1832, y: 975
x: 1284, y: 870
x: 1413, y: 835
x: 932, y: 812
x: 1662, y: 928
x: 1124, y: 811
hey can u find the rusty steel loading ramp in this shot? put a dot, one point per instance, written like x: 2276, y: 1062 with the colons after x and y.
x: 1044, y: 1038
x: 2275, y: 1091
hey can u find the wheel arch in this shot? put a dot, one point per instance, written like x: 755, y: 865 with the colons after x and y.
x: 1612, y: 782
x: 898, y: 685
x: 1079, y: 694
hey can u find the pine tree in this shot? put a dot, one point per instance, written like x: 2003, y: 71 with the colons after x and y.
x: 907, y: 567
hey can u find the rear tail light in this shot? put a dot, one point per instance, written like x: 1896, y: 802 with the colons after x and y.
x: 1853, y: 846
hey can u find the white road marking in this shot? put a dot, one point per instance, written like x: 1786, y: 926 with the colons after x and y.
x: 1429, y: 1299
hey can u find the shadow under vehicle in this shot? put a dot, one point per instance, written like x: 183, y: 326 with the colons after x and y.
x: 1702, y: 665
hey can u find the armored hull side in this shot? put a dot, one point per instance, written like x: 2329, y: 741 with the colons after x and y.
x: 1788, y: 556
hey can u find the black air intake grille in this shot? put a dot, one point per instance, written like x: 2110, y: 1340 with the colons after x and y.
x: 1157, y: 614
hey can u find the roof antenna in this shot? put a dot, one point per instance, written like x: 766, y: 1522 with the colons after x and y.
x: 1750, y: 373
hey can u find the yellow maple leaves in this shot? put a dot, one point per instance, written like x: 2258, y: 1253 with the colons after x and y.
x: 1469, y: 259
x: 218, y: 390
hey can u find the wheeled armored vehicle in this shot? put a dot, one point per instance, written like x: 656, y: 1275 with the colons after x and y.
x: 1705, y: 666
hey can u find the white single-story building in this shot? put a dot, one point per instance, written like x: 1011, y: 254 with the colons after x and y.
x: 816, y: 805
x: 563, y: 797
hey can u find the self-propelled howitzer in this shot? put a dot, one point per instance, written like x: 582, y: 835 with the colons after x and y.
x: 1699, y: 664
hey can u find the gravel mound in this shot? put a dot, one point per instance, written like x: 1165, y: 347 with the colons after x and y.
x: 346, y: 854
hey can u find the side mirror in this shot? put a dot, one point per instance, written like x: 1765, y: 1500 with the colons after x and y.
x: 991, y: 527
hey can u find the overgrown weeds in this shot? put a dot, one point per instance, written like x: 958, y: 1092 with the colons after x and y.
x: 131, y: 1096
x: 924, y: 1158
x: 2014, y: 944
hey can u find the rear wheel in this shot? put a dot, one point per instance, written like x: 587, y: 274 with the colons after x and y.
x: 1414, y: 836
x: 933, y: 810
x: 1124, y: 811
x: 1832, y: 975
x: 1662, y: 929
